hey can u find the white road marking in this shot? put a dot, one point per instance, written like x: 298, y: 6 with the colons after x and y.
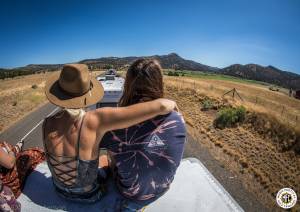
x: 38, y: 124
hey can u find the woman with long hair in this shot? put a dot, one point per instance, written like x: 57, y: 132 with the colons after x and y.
x: 72, y: 136
x: 144, y: 158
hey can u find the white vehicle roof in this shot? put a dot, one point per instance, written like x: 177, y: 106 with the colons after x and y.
x: 111, y: 85
x: 113, y: 90
x: 193, y: 189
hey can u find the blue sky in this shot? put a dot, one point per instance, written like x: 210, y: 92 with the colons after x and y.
x: 213, y: 32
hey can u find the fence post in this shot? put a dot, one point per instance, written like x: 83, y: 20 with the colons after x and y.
x: 256, y: 100
x: 282, y: 110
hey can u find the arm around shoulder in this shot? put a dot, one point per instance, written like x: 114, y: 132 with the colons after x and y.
x: 123, y: 117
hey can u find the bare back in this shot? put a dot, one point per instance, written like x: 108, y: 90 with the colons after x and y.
x: 61, y: 137
x: 61, y: 134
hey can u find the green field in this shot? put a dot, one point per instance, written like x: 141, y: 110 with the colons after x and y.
x: 205, y: 75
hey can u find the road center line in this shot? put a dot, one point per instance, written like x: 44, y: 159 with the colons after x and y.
x: 38, y: 124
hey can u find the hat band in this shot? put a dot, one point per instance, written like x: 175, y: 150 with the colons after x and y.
x: 76, y: 94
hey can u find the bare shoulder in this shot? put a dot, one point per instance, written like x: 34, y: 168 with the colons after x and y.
x: 93, y: 119
x: 50, y: 128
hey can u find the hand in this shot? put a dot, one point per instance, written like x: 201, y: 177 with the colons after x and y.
x: 19, y: 146
x: 6, y: 147
x: 167, y: 106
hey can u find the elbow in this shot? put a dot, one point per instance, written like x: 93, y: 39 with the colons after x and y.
x: 167, y: 106
x: 163, y: 108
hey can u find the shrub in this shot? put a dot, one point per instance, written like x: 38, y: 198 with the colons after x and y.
x: 173, y: 73
x: 229, y: 117
x: 170, y: 73
x: 34, y: 86
x: 207, y: 104
x: 274, y: 88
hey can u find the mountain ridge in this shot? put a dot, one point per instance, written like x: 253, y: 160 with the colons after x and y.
x: 269, y: 74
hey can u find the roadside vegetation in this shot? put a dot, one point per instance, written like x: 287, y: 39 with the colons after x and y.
x: 14, y: 73
x: 207, y: 104
x: 229, y: 117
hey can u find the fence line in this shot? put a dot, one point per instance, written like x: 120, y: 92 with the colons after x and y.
x: 280, y: 109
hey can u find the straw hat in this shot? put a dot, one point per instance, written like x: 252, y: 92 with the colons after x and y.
x: 73, y: 87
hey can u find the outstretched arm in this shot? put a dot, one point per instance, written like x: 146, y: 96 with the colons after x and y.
x: 122, y: 117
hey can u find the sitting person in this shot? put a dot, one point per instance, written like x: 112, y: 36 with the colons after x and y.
x: 15, y: 165
x: 144, y: 157
x: 72, y: 136
x: 8, y: 200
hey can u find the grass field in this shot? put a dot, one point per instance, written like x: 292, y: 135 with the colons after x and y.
x: 18, y: 98
x: 256, y: 96
x: 255, y: 158
x: 206, y: 75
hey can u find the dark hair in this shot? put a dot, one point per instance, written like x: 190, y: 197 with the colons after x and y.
x: 144, y: 82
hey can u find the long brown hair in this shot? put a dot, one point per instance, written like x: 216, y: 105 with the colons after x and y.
x: 144, y: 82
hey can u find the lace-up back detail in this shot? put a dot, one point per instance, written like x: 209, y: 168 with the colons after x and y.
x: 65, y: 171
x: 64, y: 168
x: 73, y: 178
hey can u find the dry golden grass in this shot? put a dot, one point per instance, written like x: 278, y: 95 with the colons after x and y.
x: 18, y: 98
x: 256, y: 160
x: 257, y: 98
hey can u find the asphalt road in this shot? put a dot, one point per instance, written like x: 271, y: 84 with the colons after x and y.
x: 30, y: 129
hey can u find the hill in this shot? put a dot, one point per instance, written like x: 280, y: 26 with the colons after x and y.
x: 167, y: 62
x: 267, y: 74
x: 256, y: 72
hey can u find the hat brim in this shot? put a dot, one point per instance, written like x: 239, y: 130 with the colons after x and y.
x: 60, y: 98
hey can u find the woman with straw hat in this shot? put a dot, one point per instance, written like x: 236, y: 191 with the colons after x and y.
x: 72, y: 136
